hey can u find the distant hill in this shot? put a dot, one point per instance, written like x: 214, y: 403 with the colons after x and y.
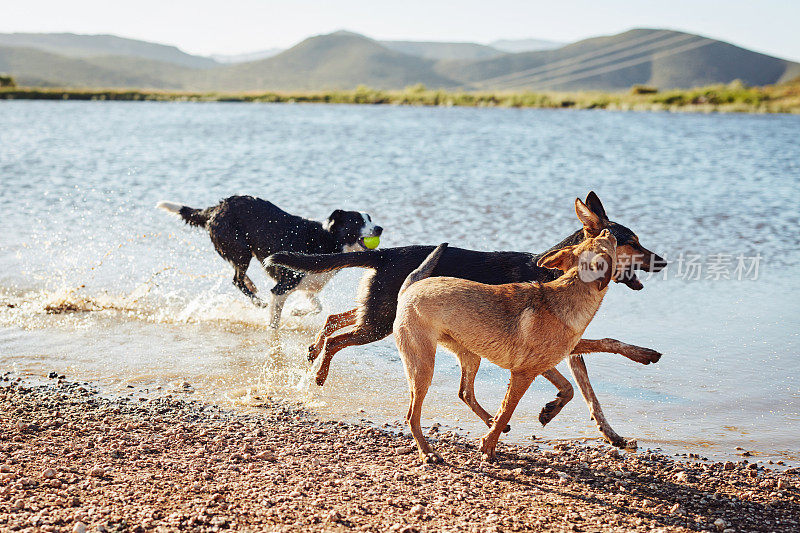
x: 340, y: 60
x: 443, y: 50
x: 662, y: 58
x: 243, y: 58
x: 82, y: 46
x: 37, y: 68
x: 344, y: 60
x: 515, y: 46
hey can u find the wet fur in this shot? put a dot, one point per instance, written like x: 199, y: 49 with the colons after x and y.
x: 243, y: 227
x: 372, y: 319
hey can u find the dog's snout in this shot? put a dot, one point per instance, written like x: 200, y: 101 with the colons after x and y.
x: 657, y: 263
x: 378, y: 231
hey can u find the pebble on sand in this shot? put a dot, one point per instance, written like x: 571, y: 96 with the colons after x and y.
x: 266, y: 456
x: 314, y: 485
x: 416, y: 510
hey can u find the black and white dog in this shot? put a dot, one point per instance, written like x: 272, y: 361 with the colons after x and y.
x: 242, y: 227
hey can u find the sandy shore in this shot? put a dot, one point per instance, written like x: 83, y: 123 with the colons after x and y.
x: 73, y: 460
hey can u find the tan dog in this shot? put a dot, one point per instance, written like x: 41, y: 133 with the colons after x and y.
x: 527, y: 328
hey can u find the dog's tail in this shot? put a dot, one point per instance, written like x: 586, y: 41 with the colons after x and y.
x: 324, y: 262
x: 190, y: 215
x: 425, y: 269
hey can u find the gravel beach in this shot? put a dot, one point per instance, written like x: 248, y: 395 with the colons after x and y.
x: 74, y: 460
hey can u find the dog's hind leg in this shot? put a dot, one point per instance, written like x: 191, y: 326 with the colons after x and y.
x: 470, y: 363
x: 249, y: 284
x: 332, y: 323
x: 565, y: 394
x: 418, y: 359
x: 233, y: 247
x: 578, y: 367
x: 246, y: 285
x: 639, y: 354
x: 520, y: 381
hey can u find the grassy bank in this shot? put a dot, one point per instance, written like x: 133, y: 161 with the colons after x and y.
x: 733, y: 97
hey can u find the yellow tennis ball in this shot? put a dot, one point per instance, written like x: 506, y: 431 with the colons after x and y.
x: 371, y: 242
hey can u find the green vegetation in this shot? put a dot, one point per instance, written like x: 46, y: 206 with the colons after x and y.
x: 734, y: 97
x: 7, y: 81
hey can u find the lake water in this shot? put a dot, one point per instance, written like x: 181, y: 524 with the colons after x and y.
x: 151, y: 305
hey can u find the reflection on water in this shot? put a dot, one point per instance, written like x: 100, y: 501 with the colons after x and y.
x: 98, y: 285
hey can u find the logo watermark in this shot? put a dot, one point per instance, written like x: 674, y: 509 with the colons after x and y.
x: 684, y: 266
x: 712, y: 267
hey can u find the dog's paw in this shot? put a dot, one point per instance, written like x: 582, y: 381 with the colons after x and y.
x: 505, y: 429
x: 313, y: 353
x: 487, y: 449
x: 432, y: 458
x: 645, y: 356
x: 549, y: 412
x: 321, y: 377
x: 619, y: 442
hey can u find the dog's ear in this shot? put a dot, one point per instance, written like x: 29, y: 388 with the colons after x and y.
x: 594, y: 203
x: 555, y: 259
x: 602, y: 264
x: 592, y: 224
x: 335, y: 217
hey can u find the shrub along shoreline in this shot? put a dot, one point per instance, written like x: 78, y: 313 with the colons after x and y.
x: 732, y: 98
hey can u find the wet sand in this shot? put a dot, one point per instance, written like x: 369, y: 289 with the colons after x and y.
x: 74, y: 460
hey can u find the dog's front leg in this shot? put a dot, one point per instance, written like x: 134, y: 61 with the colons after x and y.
x: 631, y: 351
x: 578, y: 368
x: 275, y: 308
x: 316, y: 306
x: 520, y: 381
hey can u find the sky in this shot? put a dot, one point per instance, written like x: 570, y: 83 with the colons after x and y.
x: 240, y: 26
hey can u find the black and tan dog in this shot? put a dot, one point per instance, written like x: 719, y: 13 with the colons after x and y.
x: 243, y: 227
x: 373, y: 318
x: 527, y: 328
